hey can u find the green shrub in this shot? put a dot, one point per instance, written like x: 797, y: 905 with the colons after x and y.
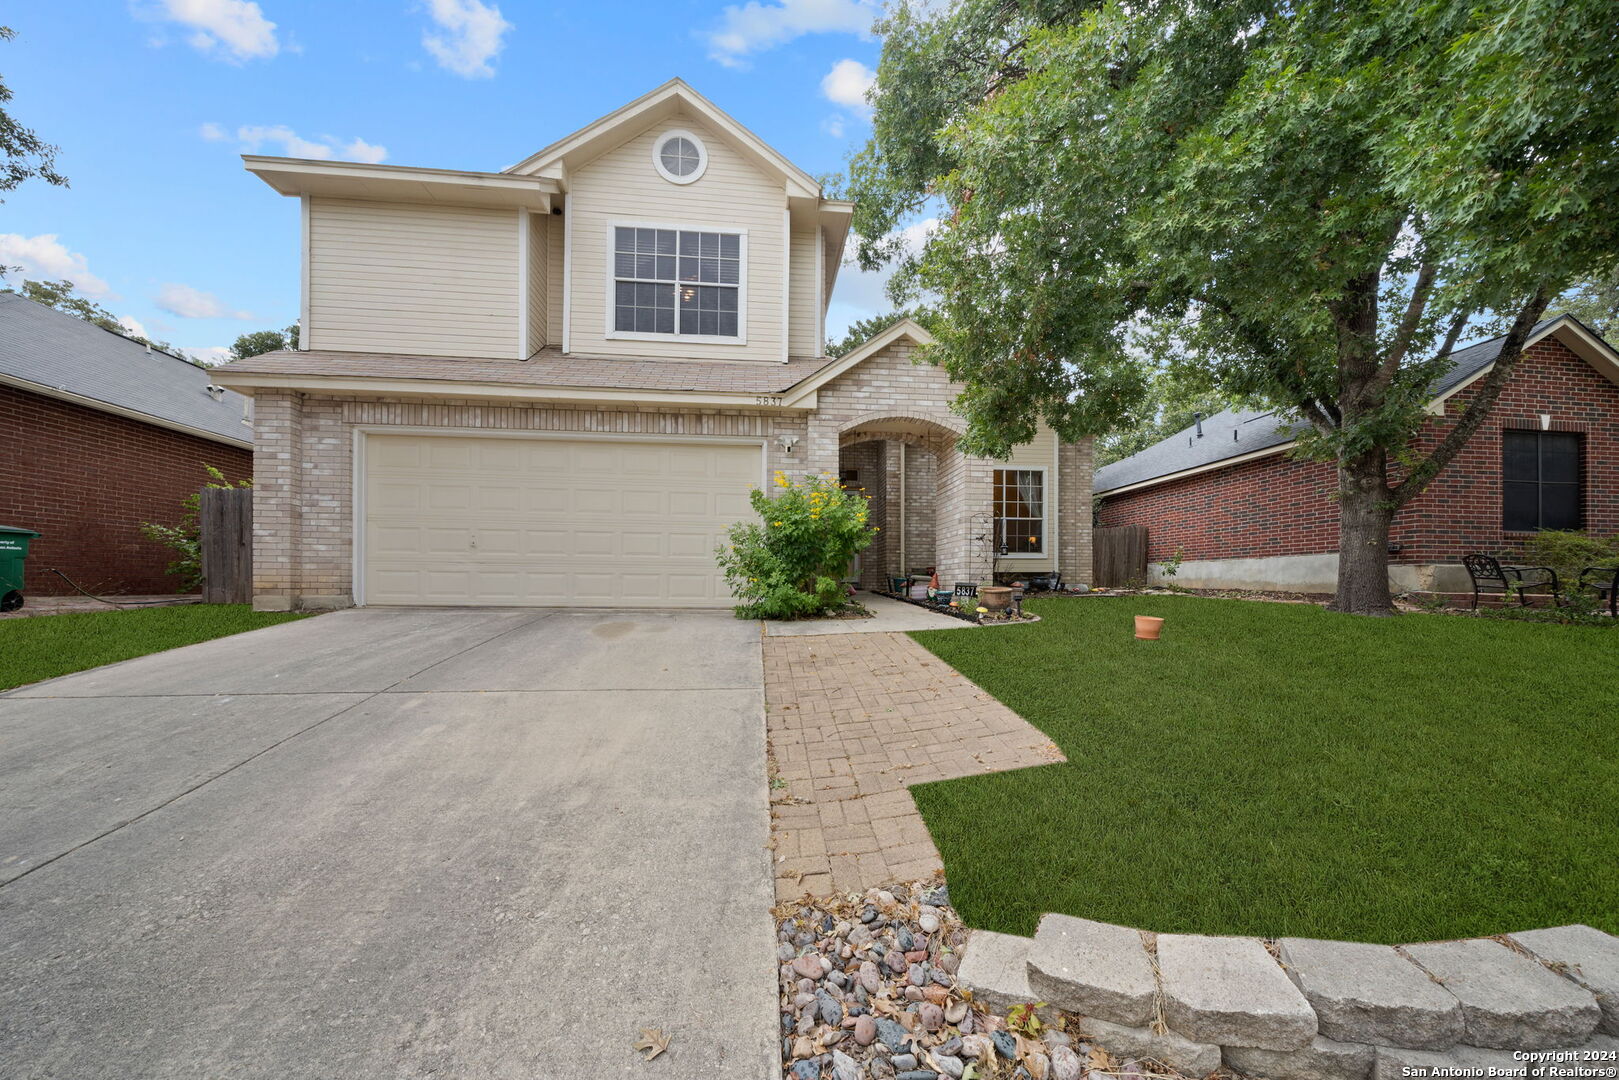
x: 1569, y: 551
x: 791, y: 562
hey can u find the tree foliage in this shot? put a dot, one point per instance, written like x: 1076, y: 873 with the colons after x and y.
x: 1303, y: 202
x: 1172, y: 402
x: 24, y: 154
x: 263, y: 341
x: 1595, y: 302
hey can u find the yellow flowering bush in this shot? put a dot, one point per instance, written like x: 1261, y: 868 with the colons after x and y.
x: 791, y: 562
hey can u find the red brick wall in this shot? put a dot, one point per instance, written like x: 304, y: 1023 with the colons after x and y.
x: 86, y: 480
x: 1278, y: 506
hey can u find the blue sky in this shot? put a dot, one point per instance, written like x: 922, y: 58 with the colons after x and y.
x: 152, y: 101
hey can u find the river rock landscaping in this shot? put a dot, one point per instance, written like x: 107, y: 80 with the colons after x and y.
x: 871, y: 989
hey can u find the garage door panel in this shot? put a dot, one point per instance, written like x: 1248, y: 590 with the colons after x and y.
x: 455, y: 520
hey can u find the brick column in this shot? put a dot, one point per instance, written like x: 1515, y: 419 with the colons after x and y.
x: 1074, y: 514
x: 277, y: 495
x: 964, y: 493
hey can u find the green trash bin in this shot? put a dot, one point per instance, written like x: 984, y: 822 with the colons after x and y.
x: 13, y: 553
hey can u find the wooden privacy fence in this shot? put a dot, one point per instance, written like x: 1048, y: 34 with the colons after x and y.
x: 1119, y: 555
x: 225, y: 526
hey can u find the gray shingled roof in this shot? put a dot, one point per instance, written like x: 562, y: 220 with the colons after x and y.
x: 51, y: 349
x: 1235, y: 432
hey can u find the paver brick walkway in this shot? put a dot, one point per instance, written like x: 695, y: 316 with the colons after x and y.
x: 853, y: 720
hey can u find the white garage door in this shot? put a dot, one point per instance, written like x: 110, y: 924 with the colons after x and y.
x: 543, y: 521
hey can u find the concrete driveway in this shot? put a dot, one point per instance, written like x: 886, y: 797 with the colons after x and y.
x: 457, y: 843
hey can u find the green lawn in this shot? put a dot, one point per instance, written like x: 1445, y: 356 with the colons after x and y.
x: 1275, y: 769
x: 46, y: 646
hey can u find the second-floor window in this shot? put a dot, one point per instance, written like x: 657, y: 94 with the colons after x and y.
x: 680, y: 282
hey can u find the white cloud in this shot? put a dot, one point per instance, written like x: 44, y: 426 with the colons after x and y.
x: 43, y: 256
x: 212, y: 132
x: 324, y: 147
x: 754, y: 26
x: 209, y: 354
x: 234, y: 29
x: 133, y: 325
x: 360, y: 150
x: 471, y: 36
x: 833, y: 125
x: 846, y: 84
x: 189, y: 303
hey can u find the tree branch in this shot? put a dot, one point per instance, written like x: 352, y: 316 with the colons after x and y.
x: 1472, y: 418
x: 1408, y: 325
x: 1457, y: 325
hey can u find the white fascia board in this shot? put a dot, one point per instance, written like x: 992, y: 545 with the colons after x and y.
x: 247, y: 382
x: 905, y: 328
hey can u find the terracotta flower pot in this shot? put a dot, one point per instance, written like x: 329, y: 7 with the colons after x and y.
x: 995, y: 597
x: 1148, y: 626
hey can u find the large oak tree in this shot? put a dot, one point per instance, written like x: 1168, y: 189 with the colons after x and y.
x: 1307, y: 202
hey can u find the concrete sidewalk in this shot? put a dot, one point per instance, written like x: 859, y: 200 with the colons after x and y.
x: 393, y: 843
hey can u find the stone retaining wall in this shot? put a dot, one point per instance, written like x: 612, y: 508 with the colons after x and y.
x: 1301, y: 1009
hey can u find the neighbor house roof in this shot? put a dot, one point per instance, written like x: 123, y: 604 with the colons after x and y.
x: 61, y: 356
x: 1236, y: 435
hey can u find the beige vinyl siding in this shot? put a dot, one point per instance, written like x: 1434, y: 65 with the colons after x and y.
x: 555, y: 247
x: 414, y: 278
x: 622, y: 185
x: 538, y: 292
x: 1038, y: 453
x: 804, y: 317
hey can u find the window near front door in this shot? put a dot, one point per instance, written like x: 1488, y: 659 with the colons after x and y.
x: 1020, y: 511
x: 677, y: 282
x: 1540, y: 480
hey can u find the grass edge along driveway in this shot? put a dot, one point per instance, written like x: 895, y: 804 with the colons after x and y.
x: 46, y: 646
x: 1277, y: 769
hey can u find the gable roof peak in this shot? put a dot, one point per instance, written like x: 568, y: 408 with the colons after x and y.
x: 666, y: 101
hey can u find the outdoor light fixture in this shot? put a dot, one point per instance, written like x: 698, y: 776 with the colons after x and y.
x: 787, y: 442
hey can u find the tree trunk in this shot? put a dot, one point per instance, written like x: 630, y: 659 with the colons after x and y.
x: 1365, y: 513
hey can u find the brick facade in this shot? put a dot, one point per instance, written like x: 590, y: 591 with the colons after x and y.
x: 87, y: 479
x: 1276, y: 506
x: 304, y: 507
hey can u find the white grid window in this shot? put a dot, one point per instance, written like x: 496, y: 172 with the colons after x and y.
x: 674, y: 281
x: 1020, y: 511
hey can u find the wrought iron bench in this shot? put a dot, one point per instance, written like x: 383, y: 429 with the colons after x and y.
x: 1604, y: 581
x: 1493, y: 579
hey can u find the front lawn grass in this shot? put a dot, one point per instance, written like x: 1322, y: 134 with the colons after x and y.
x: 45, y: 646
x: 1276, y: 769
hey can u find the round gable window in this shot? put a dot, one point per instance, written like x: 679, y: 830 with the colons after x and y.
x: 679, y: 156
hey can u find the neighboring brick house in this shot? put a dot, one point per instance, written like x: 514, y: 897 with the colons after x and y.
x: 98, y: 434
x: 554, y: 385
x: 1243, y: 513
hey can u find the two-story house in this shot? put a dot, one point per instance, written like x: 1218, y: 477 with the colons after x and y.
x: 555, y: 385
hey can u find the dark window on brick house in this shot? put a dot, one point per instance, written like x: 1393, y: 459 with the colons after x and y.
x: 1540, y: 480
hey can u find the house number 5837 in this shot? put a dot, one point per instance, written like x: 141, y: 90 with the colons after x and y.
x: 767, y: 401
